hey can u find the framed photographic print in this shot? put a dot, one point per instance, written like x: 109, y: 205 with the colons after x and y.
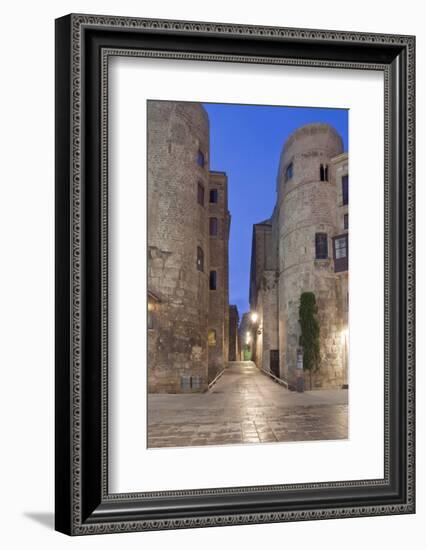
x: 234, y: 274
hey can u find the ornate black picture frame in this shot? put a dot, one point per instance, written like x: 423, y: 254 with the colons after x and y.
x: 83, y: 45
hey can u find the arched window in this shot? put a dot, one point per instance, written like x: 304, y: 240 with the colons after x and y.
x: 289, y: 172
x: 211, y: 338
x: 324, y: 172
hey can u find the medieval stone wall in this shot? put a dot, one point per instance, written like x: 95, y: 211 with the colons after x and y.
x: 263, y: 293
x: 307, y: 207
x: 268, y: 329
x: 178, y: 245
x: 309, y: 203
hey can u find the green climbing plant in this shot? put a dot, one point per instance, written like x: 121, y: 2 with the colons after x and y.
x: 310, y: 332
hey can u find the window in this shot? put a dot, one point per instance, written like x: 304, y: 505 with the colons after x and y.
x: 346, y: 221
x: 213, y: 227
x: 200, y: 194
x: 321, y: 246
x: 345, y: 190
x: 200, y: 159
x: 213, y: 195
x: 340, y: 248
x: 289, y: 172
x: 324, y: 172
x: 340, y: 245
x: 213, y: 280
x: 200, y: 259
x: 211, y: 338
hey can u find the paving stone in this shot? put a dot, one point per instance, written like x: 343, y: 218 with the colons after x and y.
x: 245, y: 406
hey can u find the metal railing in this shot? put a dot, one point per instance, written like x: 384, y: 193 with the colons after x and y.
x: 275, y: 378
x: 213, y: 382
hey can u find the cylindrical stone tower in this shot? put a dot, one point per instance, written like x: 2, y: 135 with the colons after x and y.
x: 178, y: 246
x: 306, y: 222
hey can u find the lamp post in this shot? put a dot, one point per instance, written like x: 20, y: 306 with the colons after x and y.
x: 257, y: 331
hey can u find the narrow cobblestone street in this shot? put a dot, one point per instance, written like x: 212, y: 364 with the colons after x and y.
x: 246, y: 406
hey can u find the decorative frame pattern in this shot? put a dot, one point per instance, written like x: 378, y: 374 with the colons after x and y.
x: 83, y: 503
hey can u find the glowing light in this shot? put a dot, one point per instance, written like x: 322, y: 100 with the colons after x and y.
x: 254, y: 316
x: 344, y: 335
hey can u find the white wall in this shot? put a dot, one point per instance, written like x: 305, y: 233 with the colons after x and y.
x: 26, y: 299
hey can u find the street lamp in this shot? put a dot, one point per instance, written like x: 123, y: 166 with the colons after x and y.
x: 254, y: 317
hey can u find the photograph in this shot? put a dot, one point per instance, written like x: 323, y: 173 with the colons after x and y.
x: 219, y: 359
x: 247, y: 274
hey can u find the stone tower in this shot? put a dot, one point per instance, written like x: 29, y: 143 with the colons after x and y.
x: 306, y: 222
x: 178, y: 246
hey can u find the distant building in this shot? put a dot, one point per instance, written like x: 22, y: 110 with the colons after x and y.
x: 246, y: 337
x: 188, y: 233
x: 304, y: 247
x: 218, y: 315
x: 234, y: 337
x: 264, y: 278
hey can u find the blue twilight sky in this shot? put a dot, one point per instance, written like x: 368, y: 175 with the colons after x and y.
x: 246, y: 143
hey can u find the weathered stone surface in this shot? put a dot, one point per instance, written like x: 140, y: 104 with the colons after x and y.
x: 218, y: 255
x: 305, y: 206
x: 177, y: 225
x: 246, y: 406
x: 183, y: 308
